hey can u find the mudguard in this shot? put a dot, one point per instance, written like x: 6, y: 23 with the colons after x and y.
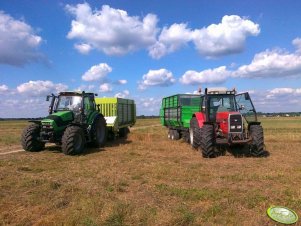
x: 201, y: 117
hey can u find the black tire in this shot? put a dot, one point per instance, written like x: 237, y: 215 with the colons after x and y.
x: 30, y: 137
x: 169, y: 134
x: 257, y: 145
x: 174, y: 135
x: 100, y: 132
x: 73, y: 141
x: 185, y: 136
x: 194, y: 133
x: 207, y: 141
x: 123, y: 132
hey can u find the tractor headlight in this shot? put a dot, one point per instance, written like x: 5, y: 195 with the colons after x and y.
x: 238, y: 127
x: 232, y: 127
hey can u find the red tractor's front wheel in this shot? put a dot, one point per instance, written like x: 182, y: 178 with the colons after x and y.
x: 257, y: 145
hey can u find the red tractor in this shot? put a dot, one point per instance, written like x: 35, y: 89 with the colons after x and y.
x: 226, y: 119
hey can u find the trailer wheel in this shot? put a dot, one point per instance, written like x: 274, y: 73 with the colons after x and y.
x: 30, y: 137
x: 207, y: 141
x: 194, y: 133
x: 100, y: 132
x: 123, y: 132
x: 73, y: 140
x: 257, y: 145
x: 175, y: 135
x: 169, y: 134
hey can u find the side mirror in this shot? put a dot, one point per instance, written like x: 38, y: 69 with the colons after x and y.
x: 247, y: 96
x: 47, y: 98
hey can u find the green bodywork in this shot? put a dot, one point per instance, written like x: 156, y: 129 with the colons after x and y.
x: 56, y: 119
x: 118, y: 112
x: 177, y: 110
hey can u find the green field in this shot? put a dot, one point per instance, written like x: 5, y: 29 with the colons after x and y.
x: 149, y: 180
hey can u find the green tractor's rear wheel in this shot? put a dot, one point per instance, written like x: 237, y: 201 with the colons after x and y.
x: 257, y: 145
x: 30, y: 137
x: 194, y: 133
x: 100, y: 131
x: 73, y: 141
x: 207, y: 141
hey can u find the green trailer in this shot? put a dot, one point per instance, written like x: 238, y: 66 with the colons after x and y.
x: 176, y: 112
x: 119, y: 113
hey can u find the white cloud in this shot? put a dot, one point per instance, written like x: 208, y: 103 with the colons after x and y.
x: 148, y: 105
x: 277, y: 63
x: 105, y: 87
x: 123, y: 94
x: 86, y: 88
x: 97, y: 72
x: 297, y: 43
x: 225, y: 38
x: 110, y: 30
x: 272, y: 63
x: 170, y: 40
x: 114, y: 32
x: 215, y: 76
x: 161, y: 77
x: 83, y: 48
x: 122, y: 82
x: 3, y: 88
x: 40, y: 88
x: 18, y: 42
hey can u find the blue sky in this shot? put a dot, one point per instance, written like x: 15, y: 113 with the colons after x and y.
x: 145, y: 50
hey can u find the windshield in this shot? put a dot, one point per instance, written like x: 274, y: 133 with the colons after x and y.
x: 71, y: 103
x: 220, y: 103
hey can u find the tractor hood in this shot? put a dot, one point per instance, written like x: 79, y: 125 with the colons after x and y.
x: 58, y: 119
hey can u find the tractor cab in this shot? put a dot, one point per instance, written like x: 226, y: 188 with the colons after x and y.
x: 69, y: 103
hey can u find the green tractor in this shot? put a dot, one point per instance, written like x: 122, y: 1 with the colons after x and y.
x: 73, y: 121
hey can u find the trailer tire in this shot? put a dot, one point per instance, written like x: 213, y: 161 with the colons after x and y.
x: 100, y: 132
x: 123, y: 132
x: 194, y: 133
x: 175, y: 135
x: 169, y: 134
x: 207, y: 141
x: 73, y: 140
x: 30, y: 137
x: 257, y: 145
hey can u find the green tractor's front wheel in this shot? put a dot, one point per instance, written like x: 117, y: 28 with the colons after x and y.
x: 30, y: 138
x: 73, y: 140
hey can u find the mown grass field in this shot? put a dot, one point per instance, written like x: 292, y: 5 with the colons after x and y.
x: 149, y: 180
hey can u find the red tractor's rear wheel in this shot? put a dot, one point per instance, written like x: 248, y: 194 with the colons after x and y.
x: 207, y: 141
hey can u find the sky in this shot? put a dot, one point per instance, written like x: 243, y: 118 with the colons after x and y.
x: 146, y: 50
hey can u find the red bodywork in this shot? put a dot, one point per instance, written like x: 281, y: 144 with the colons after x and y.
x: 222, y: 118
x: 201, y: 117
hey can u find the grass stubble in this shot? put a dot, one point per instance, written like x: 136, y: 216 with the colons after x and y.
x: 149, y: 180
